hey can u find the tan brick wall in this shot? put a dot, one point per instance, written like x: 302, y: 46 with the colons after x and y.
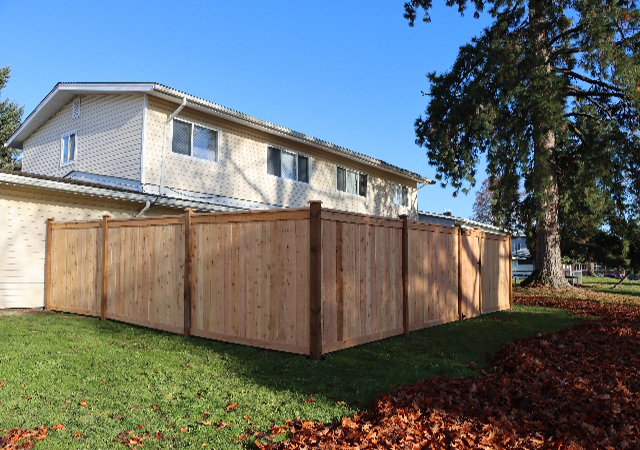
x: 109, y: 138
x: 241, y: 170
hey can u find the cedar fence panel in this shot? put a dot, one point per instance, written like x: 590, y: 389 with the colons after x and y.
x: 433, y: 275
x: 306, y: 280
x: 470, y: 283
x: 145, y: 273
x: 361, y: 279
x: 75, y: 270
x: 496, y: 270
x: 252, y: 280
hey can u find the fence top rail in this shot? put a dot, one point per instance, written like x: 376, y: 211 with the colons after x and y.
x: 146, y: 221
x: 259, y: 215
x: 76, y: 224
x: 341, y: 216
x: 424, y: 226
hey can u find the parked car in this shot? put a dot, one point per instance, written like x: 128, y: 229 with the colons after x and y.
x: 611, y: 275
x: 632, y: 277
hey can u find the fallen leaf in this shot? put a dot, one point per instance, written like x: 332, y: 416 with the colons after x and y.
x: 83, y: 403
x: 232, y: 406
x: 246, y: 418
x: 206, y: 423
x: 155, y: 407
x: 134, y: 407
x: 183, y: 430
x: 310, y: 400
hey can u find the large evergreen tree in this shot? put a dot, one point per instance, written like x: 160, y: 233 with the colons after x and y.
x: 10, y: 116
x: 549, y: 91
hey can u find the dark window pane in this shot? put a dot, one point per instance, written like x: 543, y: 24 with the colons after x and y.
x: 181, y: 138
x: 303, y: 169
x: 289, y: 166
x: 405, y: 196
x: 273, y: 161
x: 342, y: 179
x: 362, y: 188
x: 204, y: 143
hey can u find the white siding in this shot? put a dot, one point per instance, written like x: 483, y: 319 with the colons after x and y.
x: 241, y: 170
x: 109, y: 138
x: 23, y: 224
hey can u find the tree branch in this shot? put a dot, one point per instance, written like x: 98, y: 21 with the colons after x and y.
x: 564, y: 34
x: 586, y: 79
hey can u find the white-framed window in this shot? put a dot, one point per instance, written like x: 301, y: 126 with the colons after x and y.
x: 400, y: 195
x: 288, y: 164
x: 351, y: 181
x: 68, y: 148
x: 194, y: 140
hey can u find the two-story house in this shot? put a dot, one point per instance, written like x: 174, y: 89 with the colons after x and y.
x: 143, y: 148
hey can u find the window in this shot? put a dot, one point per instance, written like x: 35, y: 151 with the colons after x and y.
x: 193, y: 140
x: 351, y: 181
x: 285, y: 164
x: 68, y: 148
x: 400, y: 195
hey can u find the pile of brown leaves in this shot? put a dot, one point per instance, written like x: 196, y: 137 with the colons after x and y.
x: 576, y: 389
x: 17, y: 439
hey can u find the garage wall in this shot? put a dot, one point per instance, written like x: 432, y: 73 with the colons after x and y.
x: 23, y: 224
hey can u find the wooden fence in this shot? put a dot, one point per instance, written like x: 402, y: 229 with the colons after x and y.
x: 307, y: 281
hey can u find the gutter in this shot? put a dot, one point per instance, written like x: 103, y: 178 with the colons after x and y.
x: 60, y: 186
x: 164, y: 141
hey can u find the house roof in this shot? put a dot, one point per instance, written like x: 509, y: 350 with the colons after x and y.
x: 72, y: 186
x: 424, y: 216
x: 63, y: 93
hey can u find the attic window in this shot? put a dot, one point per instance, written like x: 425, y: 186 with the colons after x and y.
x: 75, y: 111
x: 68, y: 148
x: 195, y: 141
x: 351, y: 181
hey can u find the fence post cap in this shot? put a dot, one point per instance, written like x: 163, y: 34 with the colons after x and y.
x: 315, y: 201
x: 106, y: 216
x: 51, y: 219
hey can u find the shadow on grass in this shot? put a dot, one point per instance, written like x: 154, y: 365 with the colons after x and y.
x: 358, y: 374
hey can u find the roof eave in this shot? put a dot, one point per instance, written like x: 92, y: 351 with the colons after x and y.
x: 27, y: 127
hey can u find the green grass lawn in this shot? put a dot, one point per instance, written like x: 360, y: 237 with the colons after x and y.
x: 602, y: 284
x: 51, y: 362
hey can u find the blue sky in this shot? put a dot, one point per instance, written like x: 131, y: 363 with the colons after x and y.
x: 349, y: 72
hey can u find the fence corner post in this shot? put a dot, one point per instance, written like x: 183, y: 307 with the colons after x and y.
x: 459, y: 227
x: 48, y: 265
x: 105, y: 266
x: 405, y: 274
x: 510, y: 273
x: 187, y: 272
x: 315, y: 280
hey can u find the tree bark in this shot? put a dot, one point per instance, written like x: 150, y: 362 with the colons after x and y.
x: 591, y: 269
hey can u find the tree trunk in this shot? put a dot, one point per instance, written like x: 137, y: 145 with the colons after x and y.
x: 591, y: 269
x: 548, y: 271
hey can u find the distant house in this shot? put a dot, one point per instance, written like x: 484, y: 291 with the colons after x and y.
x: 522, y: 261
x: 448, y: 219
x: 127, y: 149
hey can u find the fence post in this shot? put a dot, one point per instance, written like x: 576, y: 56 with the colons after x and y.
x: 315, y: 280
x: 187, y: 272
x: 405, y: 274
x: 459, y: 227
x: 105, y: 266
x: 48, y: 265
x: 510, y: 274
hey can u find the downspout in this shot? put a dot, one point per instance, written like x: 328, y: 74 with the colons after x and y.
x: 164, y: 141
x: 145, y: 209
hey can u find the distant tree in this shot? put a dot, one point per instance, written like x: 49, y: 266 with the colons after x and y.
x: 10, y: 118
x: 549, y: 92
x: 482, y: 206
